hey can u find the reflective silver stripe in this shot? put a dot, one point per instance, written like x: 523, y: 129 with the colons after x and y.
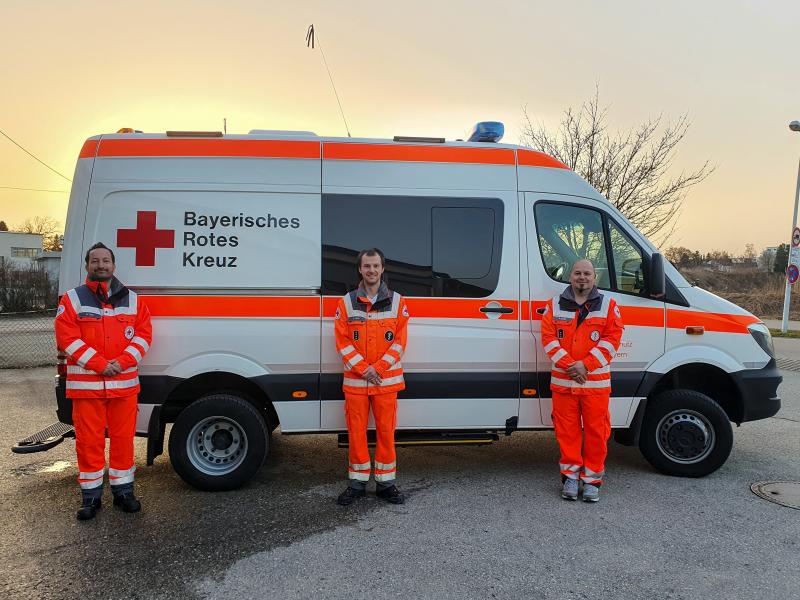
x: 133, y: 302
x: 551, y: 346
x: 588, y: 476
x: 347, y: 350
x: 84, y: 385
x: 74, y: 346
x: 121, y: 480
x: 74, y: 300
x: 558, y: 355
x: 121, y: 472
x: 389, y: 359
x: 601, y: 370
x: 350, y: 311
x: 603, y: 383
x: 88, y: 485
x: 91, y: 475
x: 142, y: 342
x: 599, y: 356
x: 358, y: 476
x: 384, y: 477
x: 76, y: 370
x: 604, y: 344
x: 391, y: 380
x: 601, y: 312
x: 561, y: 314
x: 355, y: 382
x: 86, y: 357
x: 361, y: 466
x: 395, y: 305
x: 397, y: 348
x: 569, y: 467
x: 134, y: 353
x: 354, y: 360
x: 385, y: 466
x: 121, y: 385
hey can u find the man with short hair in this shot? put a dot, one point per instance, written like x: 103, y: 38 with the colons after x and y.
x: 104, y: 331
x: 371, y: 325
x: 581, y: 331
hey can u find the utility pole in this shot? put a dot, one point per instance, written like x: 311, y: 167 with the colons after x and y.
x: 787, y: 295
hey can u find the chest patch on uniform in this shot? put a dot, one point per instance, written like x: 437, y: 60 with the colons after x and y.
x: 355, y: 335
x: 129, y: 332
x: 60, y: 310
x: 595, y: 335
x: 389, y: 336
x: 560, y: 334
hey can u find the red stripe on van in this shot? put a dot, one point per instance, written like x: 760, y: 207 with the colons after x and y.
x: 408, y: 153
x: 209, y: 148
x: 680, y: 319
x: 233, y: 306
x: 532, y: 158
x: 89, y: 149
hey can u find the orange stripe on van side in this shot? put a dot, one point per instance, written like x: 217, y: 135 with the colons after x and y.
x: 89, y: 149
x: 209, y: 148
x: 680, y: 319
x: 438, y: 308
x: 233, y: 306
x: 532, y: 158
x: 409, y: 153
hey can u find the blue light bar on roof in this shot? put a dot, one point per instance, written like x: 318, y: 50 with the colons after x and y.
x: 487, y: 131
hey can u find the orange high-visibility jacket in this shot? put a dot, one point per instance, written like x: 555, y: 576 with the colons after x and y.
x: 94, y: 327
x: 590, y: 333
x: 372, y: 335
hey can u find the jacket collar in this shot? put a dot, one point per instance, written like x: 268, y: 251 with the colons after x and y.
x: 383, y: 293
x: 567, y: 299
x: 106, y: 291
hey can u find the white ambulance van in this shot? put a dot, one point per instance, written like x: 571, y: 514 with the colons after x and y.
x: 241, y: 246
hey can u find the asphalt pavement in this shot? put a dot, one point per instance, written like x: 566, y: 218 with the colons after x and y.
x: 480, y: 522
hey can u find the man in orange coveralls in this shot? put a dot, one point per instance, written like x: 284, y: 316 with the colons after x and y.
x: 581, y: 331
x: 371, y: 325
x: 105, y: 332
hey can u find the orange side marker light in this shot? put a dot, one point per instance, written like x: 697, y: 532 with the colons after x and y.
x: 695, y: 330
x: 299, y: 394
x: 529, y: 392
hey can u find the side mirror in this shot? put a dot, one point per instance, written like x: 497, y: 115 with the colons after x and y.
x: 657, y: 286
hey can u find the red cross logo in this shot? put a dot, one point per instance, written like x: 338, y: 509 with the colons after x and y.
x: 146, y: 238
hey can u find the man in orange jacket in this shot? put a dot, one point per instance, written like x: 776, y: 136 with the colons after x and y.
x: 581, y: 331
x: 104, y: 331
x: 371, y: 326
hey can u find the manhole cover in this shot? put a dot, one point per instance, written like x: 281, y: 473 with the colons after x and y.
x: 785, y: 493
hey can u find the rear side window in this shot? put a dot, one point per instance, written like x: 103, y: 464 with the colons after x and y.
x: 434, y: 246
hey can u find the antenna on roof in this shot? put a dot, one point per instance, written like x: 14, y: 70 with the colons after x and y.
x: 224, y: 125
x: 310, y: 42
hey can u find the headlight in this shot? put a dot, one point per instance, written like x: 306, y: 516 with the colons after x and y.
x: 763, y: 338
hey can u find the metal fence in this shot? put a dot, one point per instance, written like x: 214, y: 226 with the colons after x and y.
x: 27, y: 339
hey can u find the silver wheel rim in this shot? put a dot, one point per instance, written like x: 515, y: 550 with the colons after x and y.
x: 216, y: 446
x: 685, y: 436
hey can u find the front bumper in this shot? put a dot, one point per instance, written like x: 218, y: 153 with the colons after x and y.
x: 759, y: 391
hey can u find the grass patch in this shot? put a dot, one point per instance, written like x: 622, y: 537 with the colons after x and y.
x: 776, y: 333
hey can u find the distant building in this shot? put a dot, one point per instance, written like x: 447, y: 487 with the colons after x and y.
x: 20, y: 249
x: 50, y: 262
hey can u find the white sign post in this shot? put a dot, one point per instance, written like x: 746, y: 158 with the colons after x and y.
x: 794, y: 258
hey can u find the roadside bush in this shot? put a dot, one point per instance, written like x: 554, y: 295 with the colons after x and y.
x: 25, y: 288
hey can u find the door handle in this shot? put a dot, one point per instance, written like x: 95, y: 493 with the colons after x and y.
x: 541, y: 310
x: 497, y: 309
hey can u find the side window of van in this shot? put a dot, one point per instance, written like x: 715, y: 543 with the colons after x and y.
x: 568, y: 233
x: 628, y: 264
x: 434, y: 246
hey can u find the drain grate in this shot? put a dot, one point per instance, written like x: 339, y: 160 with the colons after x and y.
x: 789, y: 364
x: 785, y: 493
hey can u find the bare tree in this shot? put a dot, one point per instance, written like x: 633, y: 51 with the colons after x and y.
x: 50, y: 230
x: 3, y: 226
x: 630, y: 168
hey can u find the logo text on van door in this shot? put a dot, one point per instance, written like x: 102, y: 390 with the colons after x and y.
x: 207, y: 235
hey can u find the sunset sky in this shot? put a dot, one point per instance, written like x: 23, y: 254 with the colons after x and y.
x: 72, y: 70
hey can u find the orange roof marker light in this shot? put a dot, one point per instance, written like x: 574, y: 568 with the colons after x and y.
x: 128, y: 130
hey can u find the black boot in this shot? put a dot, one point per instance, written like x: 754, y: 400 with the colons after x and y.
x: 350, y: 495
x: 391, y: 494
x: 128, y: 503
x: 88, y: 509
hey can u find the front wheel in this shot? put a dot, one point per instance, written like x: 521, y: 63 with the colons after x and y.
x: 218, y: 442
x: 685, y: 433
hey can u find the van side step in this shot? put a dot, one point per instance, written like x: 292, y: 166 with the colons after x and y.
x: 45, y: 439
x: 421, y: 438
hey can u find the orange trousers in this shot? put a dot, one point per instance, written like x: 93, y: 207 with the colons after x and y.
x: 583, y: 450
x: 91, y: 418
x: 356, y: 411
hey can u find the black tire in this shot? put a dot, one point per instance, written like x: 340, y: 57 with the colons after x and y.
x: 685, y: 433
x: 218, y: 442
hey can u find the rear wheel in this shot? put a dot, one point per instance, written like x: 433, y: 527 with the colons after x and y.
x: 218, y: 442
x: 685, y: 433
